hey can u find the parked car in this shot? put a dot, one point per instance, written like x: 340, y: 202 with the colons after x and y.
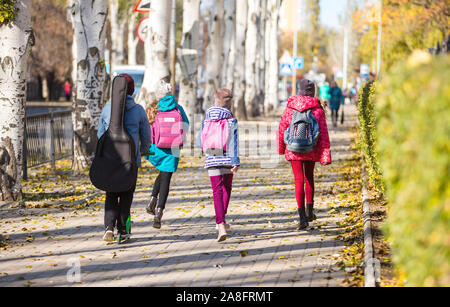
x: 135, y: 71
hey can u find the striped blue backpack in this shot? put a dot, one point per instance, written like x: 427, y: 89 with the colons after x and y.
x: 303, y: 133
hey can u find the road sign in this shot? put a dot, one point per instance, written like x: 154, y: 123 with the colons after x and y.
x: 285, y: 69
x: 364, y: 70
x: 298, y: 62
x: 142, y: 29
x: 286, y: 58
x: 143, y: 6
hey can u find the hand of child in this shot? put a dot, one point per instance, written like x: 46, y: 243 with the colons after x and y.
x: 234, y: 169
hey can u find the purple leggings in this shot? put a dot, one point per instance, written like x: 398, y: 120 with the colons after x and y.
x: 221, y: 186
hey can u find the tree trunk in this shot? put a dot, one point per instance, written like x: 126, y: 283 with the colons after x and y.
x: 117, y: 31
x: 229, y: 44
x: 261, y: 57
x: 239, y: 85
x: 156, y: 51
x: 214, y: 53
x: 132, y: 39
x: 88, y: 20
x: 15, y: 40
x: 188, y: 56
x: 251, y: 62
x: 272, y: 71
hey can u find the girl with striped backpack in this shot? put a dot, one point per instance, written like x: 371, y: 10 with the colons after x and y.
x: 218, y: 139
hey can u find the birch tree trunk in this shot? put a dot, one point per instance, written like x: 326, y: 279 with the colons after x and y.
x: 229, y: 43
x: 214, y: 53
x: 261, y: 56
x: 188, y: 55
x: 272, y: 71
x: 156, y: 51
x: 132, y: 40
x: 251, y: 62
x: 240, y: 84
x: 15, y: 39
x: 117, y: 32
x: 89, y: 23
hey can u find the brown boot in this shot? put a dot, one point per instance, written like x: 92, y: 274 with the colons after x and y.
x: 152, y: 205
x: 158, y: 217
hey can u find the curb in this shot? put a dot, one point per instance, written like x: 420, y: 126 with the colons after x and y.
x: 371, y: 264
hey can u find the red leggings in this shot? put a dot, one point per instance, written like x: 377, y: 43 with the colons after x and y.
x: 304, y: 181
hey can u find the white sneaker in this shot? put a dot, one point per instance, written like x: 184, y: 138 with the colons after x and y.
x: 227, y: 226
x: 222, y: 233
x: 108, y: 236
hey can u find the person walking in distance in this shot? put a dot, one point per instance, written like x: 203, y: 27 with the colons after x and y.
x: 219, y: 141
x: 117, y: 205
x: 169, y: 125
x: 303, y: 140
x: 336, y: 100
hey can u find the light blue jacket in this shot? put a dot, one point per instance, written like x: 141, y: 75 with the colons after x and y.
x: 166, y: 160
x: 136, y: 123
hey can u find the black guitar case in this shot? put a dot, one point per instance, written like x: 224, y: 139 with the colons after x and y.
x: 114, y: 168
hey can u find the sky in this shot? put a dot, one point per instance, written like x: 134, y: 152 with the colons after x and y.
x: 330, y: 11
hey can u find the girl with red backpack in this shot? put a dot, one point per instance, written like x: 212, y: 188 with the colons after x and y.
x: 219, y: 141
x: 303, y: 163
x: 169, y: 125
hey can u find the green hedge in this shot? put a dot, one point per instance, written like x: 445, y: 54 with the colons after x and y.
x: 412, y: 132
x: 7, y: 11
x: 367, y: 142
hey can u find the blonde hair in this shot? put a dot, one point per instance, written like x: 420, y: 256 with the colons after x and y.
x: 151, y: 111
x: 316, y: 95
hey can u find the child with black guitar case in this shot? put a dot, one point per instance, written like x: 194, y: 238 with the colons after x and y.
x: 123, y: 132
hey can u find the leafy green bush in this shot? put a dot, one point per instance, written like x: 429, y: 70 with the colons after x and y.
x: 413, y: 130
x: 367, y: 142
x: 7, y: 11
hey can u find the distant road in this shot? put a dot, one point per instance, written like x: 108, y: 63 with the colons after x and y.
x: 39, y: 107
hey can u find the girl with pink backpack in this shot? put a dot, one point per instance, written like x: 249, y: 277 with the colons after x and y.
x: 219, y: 141
x: 169, y: 125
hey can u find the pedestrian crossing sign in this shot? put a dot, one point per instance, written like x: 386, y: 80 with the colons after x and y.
x: 285, y: 69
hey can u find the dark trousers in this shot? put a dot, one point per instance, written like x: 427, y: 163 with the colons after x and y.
x: 117, y: 210
x: 334, y: 116
x: 161, y: 188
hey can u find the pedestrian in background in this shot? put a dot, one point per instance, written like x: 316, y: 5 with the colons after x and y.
x: 336, y: 100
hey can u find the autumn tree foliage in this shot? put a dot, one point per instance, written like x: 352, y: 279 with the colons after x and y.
x: 407, y: 25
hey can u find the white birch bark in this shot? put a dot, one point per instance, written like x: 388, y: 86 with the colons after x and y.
x: 261, y: 56
x: 156, y: 51
x: 272, y: 76
x: 89, y: 22
x: 251, y: 61
x: 229, y: 43
x: 15, y: 40
x: 188, y: 56
x: 117, y: 33
x: 239, y: 85
x: 132, y: 39
x: 214, y: 53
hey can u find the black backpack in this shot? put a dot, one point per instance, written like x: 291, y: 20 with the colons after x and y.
x: 114, y: 168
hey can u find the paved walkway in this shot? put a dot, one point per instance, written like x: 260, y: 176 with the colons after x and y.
x: 50, y: 246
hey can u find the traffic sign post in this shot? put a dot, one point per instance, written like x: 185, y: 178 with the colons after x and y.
x: 143, y: 6
x: 142, y: 28
x: 298, y: 62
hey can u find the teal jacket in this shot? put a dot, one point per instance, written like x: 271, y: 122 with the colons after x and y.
x: 166, y: 160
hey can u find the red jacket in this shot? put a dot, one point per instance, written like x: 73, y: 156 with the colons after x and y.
x: 321, y: 152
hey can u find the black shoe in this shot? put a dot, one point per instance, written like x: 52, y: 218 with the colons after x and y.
x: 310, y: 216
x: 303, y: 222
x: 152, y: 205
x: 158, y: 217
x: 123, y: 237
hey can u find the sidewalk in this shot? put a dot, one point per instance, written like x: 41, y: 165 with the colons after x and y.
x: 263, y: 249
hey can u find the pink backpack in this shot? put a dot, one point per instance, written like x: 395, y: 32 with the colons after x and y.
x: 167, y: 130
x: 215, y: 135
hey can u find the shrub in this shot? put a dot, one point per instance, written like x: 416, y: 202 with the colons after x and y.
x: 413, y: 129
x: 7, y: 11
x: 367, y: 142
